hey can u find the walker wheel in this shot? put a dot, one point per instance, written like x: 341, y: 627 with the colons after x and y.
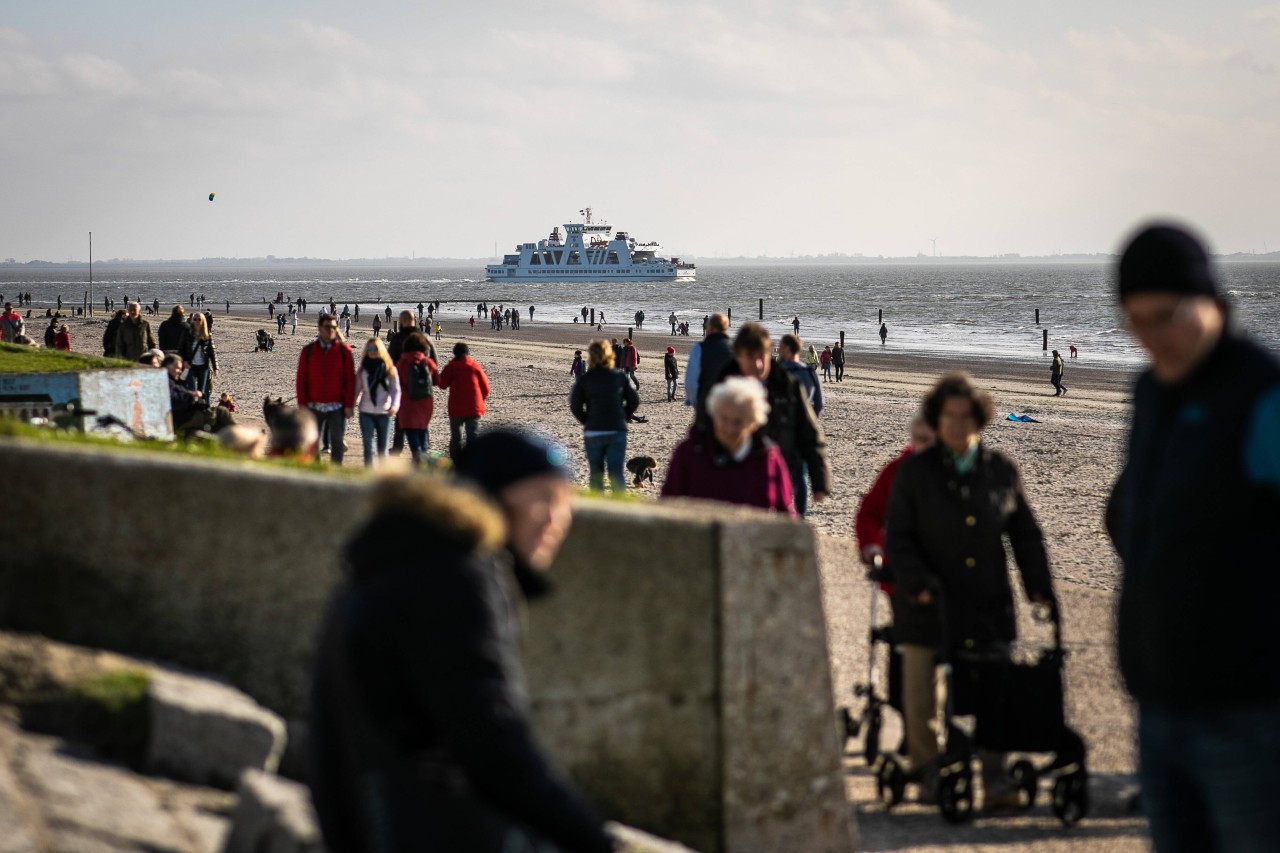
x: 1071, y: 797
x: 848, y: 723
x: 1028, y: 782
x: 955, y: 796
x: 891, y: 782
x: 871, y: 741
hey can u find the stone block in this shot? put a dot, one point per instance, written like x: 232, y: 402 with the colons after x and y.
x: 206, y: 733
x: 273, y: 815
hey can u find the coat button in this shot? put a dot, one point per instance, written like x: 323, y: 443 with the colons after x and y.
x: 970, y: 562
x: 971, y: 521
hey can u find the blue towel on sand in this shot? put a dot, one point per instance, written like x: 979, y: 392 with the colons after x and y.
x: 1023, y: 419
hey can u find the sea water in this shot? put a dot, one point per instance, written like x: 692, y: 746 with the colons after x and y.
x: 957, y: 309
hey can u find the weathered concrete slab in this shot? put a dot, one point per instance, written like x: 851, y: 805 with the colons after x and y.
x: 207, y: 733
x: 138, y: 397
x: 272, y: 815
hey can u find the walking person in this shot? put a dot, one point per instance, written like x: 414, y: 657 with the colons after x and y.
x: 406, y: 328
x: 671, y: 368
x: 12, y: 325
x: 578, y: 367
x: 326, y: 384
x: 293, y: 320
x: 419, y: 720
x: 733, y: 461
x: 174, y: 334
x: 837, y: 361
x: 133, y: 336
x: 824, y: 359
x: 377, y: 398
x: 603, y: 401
x: 951, y: 509
x: 419, y: 374
x: 468, y: 389
x: 109, y: 334
x: 630, y: 361
x: 1193, y: 518
x: 919, y: 661
x: 795, y: 326
x: 201, y: 355
x: 1055, y: 375
x: 884, y: 333
x: 707, y: 359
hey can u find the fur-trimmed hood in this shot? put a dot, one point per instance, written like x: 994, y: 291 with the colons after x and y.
x: 423, y: 512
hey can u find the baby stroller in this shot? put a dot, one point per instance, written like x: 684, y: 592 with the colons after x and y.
x: 1016, y: 706
x: 266, y: 343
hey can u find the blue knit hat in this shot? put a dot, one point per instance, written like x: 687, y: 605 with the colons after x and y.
x: 1165, y: 258
x: 504, y: 457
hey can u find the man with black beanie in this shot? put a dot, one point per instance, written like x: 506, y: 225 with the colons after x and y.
x: 420, y: 735
x: 1195, y: 517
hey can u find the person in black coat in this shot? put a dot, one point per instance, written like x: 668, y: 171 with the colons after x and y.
x: 603, y: 401
x: 420, y: 737
x: 174, y: 334
x: 1194, y: 520
x: 952, y: 508
x: 715, y: 351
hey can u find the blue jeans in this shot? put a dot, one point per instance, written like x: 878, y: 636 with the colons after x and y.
x: 198, y: 379
x: 608, y: 451
x: 372, y: 426
x: 1211, y: 778
x: 418, y: 440
x: 798, y: 486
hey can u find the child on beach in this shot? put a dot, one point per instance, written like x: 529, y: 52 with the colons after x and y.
x: 578, y: 367
x: 439, y: 332
x: 225, y: 402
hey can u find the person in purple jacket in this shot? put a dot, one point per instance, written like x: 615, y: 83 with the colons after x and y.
x: 733, y: 461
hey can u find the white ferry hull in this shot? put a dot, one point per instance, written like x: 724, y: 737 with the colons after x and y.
x: 499, y: 272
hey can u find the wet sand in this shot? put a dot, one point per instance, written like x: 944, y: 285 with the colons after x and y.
x: 1068, y: 461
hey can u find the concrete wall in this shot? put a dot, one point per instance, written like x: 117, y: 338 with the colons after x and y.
x: 679, y: 672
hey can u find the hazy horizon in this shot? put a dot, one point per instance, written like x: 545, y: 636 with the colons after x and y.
x: 722, y: 130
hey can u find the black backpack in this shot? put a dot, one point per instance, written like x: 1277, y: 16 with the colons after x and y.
x: 420, y: 386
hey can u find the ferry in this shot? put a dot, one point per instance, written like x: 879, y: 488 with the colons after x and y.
x: 589, y: 251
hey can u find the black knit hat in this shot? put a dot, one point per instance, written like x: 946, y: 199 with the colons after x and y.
x: 503, y: 457
x: 1166, y: 259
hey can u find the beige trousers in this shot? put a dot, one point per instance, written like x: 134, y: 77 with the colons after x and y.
x: 921, y: 698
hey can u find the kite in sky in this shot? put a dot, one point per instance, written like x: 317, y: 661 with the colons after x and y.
x: 210, y: 196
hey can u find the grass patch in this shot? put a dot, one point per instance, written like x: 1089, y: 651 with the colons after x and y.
x: 195, y: 448
x: 20, y: 359
x: 108, y: 711
x: 114, y: 692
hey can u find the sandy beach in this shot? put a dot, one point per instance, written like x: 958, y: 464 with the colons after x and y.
x: 1068, y: 459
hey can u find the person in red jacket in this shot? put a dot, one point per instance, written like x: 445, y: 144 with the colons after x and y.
x: 630, y: 361
x: 468, y: 388
x: 326, y: 383
x: 733, y: 461
x: 62, y: 340
x: 873, y: 509
x: 919, y: 685
x: 416, y: 411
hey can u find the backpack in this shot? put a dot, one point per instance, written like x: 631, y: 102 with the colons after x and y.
x: 420, y: 386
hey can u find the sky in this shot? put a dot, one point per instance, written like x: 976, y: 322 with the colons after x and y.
x: 389, y: 129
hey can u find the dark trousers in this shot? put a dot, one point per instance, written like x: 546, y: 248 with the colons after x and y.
x: 332, y: 426
x: 456, y: 427
x: 397, y: 439
x: 839, y: 372
x: 1209, y: 779
x: 798, y: 485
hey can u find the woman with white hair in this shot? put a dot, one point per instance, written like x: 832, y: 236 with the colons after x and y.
x: 733, y: 461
